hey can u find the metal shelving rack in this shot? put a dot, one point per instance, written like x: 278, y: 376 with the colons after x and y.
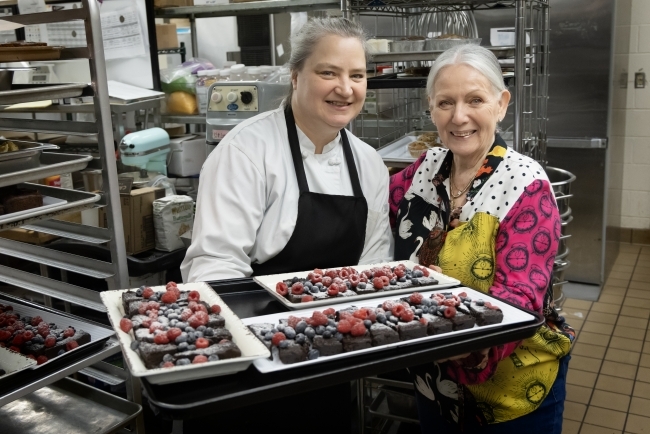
x: 114, y: 272
x: 530, y: 58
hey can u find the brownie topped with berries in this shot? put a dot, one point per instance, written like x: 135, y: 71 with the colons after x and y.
x: 175, y: 328
x: 485, y: 313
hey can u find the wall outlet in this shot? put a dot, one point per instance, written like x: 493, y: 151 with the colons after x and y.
x: 639, y: 80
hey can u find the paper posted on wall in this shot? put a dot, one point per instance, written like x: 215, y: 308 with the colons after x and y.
x: 122, y: 34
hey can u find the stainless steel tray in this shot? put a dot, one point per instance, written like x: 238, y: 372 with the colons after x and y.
x: 67, y: 406
x: 26, y: 151
x: 47, y: 164
x: 396, y: 153
x: 40, y: 93
x: 502, y: 52
x: 75, y: 201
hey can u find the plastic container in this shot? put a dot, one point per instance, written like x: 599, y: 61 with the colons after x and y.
x: 253, y: 74
x: 445, y: 44
x: 204, y: 80
x: 265, y: 72
x: 224, y: 75
x: 237, y: 72
x: 229, y: 64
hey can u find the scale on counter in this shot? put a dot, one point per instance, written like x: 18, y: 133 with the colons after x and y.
x: 232, y: 102
x: 37, y: 74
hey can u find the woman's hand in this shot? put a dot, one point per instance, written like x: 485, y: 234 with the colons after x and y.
x: 476, y: 360
x: 435, y: 268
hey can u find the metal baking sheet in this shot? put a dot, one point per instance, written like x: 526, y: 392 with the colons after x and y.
x: 29, y: 53
x: 251, y: 348
x: 511, y: 316
x: 41, y: 93
x: 67, y: 406
x: 268, y: 283
x: 12, y: 362
x: 25, y: 157
x: 500, y: 52
x: 75, y: 201
x: 48, y: 164
x: 97, y: 333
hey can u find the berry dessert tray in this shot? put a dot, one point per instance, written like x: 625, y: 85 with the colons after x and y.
x: 12, y: 362
x: 177, y: 333
x: 340, y: 285
x: 44, y: 335
x: 310, y: 336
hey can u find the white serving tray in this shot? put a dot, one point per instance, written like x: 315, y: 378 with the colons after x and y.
x: 13, y: 362
x: 511, y: 315
x: 251, y: 348
x: 96, y: 332
x: 268, y: 282
x: 397, y: 152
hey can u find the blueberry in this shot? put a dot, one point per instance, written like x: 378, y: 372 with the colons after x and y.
x: 181, y: 338
x: 331, y: 329
x: 361, y: 285
x: 320, y: 330
x: 28, y: 342
x: 331, y: 322
x: 301, y: 326
x: 268, y: 336
x: 392, y: 282
x: 182, y: 362
x: 310, y: 332
x: 289, y: 332
x: 191, y: 347
x: 348, y: 284
x: 319, y: 285
x: 448, y: 296
x: 367, y: 323
x: 183, y: 346
x: 138, y: 292
x: 442, y: 309
x: 167, y: 358
x: 393, y: 319
x: 415, y: 282
x: 402, y: 279
x: 213, y: 358
x: 59, y: 338
x: 198, y: 334
x: 191, y: 336
x: 274, y: 330
x: 135, y: 345
x: 381, y: 318
x: 173, y: 316
x: 38, y: 339
x: 189, y: 329
x: 467, y: 303
x: 61, y: 352
x: 280, y: 327
x: 294, y: 280
x: 426, y: 302
x: 313, y: 289
x: 338, y: 336
x: 327, y: 334
x: 418, y: 312
x: 322, y: 288
x: 425, y: 309
x: 283, y: 344
x: 434, y: 302
x: 174, y: 306
x: 181, y: 325
x: 313, y: 354
x: 480, y: 302
x: 300, y: 338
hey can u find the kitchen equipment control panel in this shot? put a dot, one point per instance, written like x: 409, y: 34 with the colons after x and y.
x: 233, y: 98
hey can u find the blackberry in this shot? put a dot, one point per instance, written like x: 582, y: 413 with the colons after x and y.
x: 183, y: 362
x: 289, y: 332
x: 301, y: 326
x: 313, y: 354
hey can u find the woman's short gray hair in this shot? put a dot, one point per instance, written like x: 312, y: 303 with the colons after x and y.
x: 479, y: 58
x: 304, y: 41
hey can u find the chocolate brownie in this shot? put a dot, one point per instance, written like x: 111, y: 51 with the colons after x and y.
x: 355, y: 343
x: 215, y: 320
x: 485, y: 315
x: 462, y: 320
x: 411, y: 330
x: 383, y: 334
x: 152, y: 354
x: 437, y: 325
x: 225, y: 350
x: 260, y: 330
x: 327, y: 346
x: 292, y: 352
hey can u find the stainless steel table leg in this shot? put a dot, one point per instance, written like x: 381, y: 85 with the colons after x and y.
x: 134, y: 394
x: 360, y: 405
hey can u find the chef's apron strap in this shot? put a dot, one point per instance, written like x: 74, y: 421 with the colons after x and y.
x: 352, y: 167
x: 294, y: 145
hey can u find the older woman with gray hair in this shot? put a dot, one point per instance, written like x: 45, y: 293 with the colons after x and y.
x: 486, y: 215
x: 290, y: 189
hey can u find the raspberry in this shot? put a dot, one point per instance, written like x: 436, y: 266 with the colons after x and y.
x: 186, y: 314
x: 316, y: 278
x: 41, y: 359
x: 169, y: 297
x: 306, y: 298
x: 198, y: 319
x: 407, y: 315
x: 168, y: 365
x: 297, y: 288
x: 385, y: 280
x: 281, y: 288
x: 319, y: 271
x: 331, y: 274
x: 4, y: 335
x: 18, y: 340
x: 367, y: 273
x: 143, y: 308
x: 161, y: 339
x: 199, y: 359
x: 202, y: 343
x: 153, y: 305
x: 425, y: 271
x: 277, y: 338
x: 378, y: 283
x: 215, y: 308
x: 379, y: 273
x: 329, y: 312
x: 344, y: 326
x: 398, y: 310
x: 372, y: 316
x: 463, y: 294
x: 293, y: 321
x: 416, y: 298
x: 146, y: 322
x: 399, y: 272
x: 155, y: 325
x: 338, y: 280
x: 448, y: 302
x: 327, y: 281
x: 363, y: 278
x: 148, y: 292
x: 424, y: 321
x: 71, y: 345
x: 28, y: 335
x: 201, y: 308
x: 17, y: 350
x: 36, y: 321
x: 319, y: 318
x: 173, y: 333
x: 354, y: 280
x: 126, y: 325
x: 194, y: 296
x: 171, y: 284
x: 362, y: 314
x: 358, y: 329
x: 450, y: 312
x: 176, y: 291
x: 69, y: 332
x: 388, y: 305
x: 333, y: 291
x: 50, y: 341
x: 344, y: 273
x: 345, y: 315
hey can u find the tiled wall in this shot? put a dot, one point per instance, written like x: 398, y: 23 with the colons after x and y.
x: 629, y: 188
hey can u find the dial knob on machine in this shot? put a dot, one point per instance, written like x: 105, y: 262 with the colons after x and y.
x: 216, y: 97
x: 231, y: 97
x: 246, y: 97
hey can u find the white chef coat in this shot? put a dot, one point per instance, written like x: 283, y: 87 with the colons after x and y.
x: 247, y: 203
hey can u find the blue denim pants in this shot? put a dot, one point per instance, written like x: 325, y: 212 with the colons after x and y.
x: 547, y: 419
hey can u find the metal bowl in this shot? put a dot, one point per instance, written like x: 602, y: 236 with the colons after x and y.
x: 560, y: 180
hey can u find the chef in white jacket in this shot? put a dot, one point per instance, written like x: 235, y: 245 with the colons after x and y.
x: 291, y: 189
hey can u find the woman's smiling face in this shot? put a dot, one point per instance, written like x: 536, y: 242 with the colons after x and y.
x: 466, y: 108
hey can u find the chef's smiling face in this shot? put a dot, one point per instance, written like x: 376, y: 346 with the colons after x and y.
x: 466, y: 108
x: 330, y: 89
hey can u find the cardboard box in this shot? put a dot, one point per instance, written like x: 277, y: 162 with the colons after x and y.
x: 166, y: 36
x: 172, y: 3
x: 39, y: 238
x: 137, y: 218
x: 188, y: 155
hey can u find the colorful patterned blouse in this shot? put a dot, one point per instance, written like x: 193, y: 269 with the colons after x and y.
x: 505, y: 246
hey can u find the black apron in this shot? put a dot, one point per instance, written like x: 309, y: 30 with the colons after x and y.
x: 330, y: 229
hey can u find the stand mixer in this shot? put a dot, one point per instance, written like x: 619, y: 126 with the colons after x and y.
x: 147, y: 150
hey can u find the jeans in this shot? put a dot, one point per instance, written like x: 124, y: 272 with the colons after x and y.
x: 547, y: 419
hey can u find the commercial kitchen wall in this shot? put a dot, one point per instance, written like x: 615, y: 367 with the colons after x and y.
x: 629, y: 187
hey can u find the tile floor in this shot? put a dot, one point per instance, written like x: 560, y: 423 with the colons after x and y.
x: 608, y: 384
